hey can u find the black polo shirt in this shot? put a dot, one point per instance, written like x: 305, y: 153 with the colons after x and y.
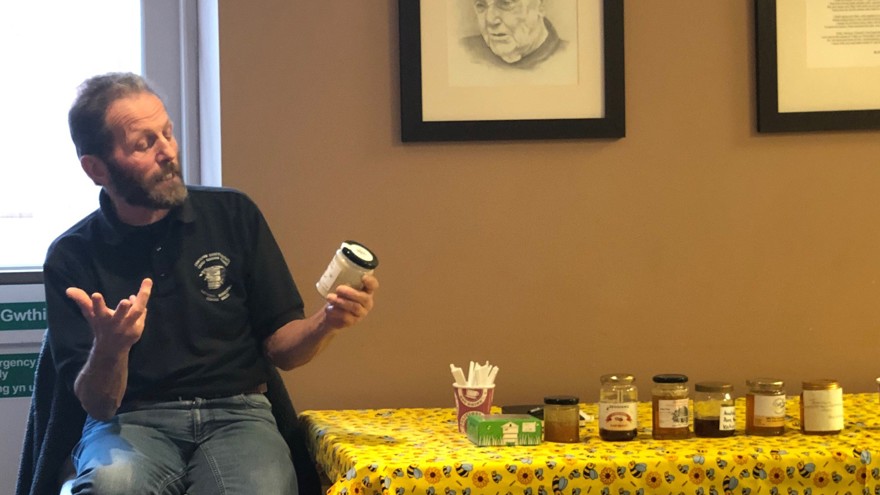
x: 221, y: 286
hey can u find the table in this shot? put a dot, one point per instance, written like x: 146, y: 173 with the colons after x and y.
x: 420, y: 451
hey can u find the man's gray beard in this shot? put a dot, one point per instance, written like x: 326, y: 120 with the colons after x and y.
x: 139, y: 193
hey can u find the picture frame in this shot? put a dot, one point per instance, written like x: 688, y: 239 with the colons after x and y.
x: 447, y: 96
x: 810, y: 75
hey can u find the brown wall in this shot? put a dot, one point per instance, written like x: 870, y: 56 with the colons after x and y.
x: 693, y: 245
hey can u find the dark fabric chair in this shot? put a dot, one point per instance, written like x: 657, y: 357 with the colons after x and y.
x: 56, y: 419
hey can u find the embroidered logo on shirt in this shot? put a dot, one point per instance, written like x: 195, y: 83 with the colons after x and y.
x: 212, y: 271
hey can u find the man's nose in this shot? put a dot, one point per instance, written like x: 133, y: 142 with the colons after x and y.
x: 166, y: 148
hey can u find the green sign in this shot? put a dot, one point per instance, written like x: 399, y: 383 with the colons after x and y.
x: 23, y: 316
x: 17, y: 374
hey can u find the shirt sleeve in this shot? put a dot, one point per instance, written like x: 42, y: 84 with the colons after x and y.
x: 68, y: 331
x: 273, y: 298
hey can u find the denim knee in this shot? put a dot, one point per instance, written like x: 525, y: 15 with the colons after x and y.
x: 117, y: 478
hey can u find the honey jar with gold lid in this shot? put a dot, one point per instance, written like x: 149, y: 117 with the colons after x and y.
x: 821, y: 407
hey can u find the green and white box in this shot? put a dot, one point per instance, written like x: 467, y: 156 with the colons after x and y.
x: 504, y: 429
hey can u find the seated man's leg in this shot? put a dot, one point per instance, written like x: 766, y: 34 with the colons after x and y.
x: 242, y: 452
x: 118, y: 457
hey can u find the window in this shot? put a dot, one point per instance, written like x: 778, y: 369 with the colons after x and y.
x: 47, y: 50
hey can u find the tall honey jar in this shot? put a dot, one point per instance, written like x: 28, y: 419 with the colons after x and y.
x: 618, y: 407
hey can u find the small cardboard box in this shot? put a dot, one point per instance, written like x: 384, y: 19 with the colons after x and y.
x: 504, y: 429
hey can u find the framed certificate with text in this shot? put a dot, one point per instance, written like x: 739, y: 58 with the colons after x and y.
x: 818, y: 65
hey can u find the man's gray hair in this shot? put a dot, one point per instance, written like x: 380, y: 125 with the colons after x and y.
x: 87, y: 116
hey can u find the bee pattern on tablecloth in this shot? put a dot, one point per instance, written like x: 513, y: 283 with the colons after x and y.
x: 463, y: 468
x: 637, y: 469
x: 590, y: 471
x: 559, y: 484
x: 805, y: 469
x: 758, y: 472
x: 777, y: 454
x: 729, y: 484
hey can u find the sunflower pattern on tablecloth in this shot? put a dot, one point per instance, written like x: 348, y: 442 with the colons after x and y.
x: 420, y: 451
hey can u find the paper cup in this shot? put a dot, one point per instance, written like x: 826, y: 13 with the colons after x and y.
x: 470, y: 401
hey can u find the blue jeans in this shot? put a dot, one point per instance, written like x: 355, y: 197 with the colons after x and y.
x: 198, y: 447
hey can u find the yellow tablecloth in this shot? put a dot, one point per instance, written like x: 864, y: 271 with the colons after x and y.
x: 420, y: 451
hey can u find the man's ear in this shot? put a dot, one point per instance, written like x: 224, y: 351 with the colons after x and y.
x: 96, y: 169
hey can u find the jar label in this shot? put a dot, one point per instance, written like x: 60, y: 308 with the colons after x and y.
x: 673, y: 413
x: 728, y: 418
x: 823, y: 410
x: 340, y: 272
x: 618, y: 416
x: 769, y: 411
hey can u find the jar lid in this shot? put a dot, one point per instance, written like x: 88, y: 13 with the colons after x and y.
x: 821, y: 384
x: 670, y: 378
x: 617, y: 379
x: 561, y: 400
x: 713, y: 387
x: 359, y: 254
x: 765, y: 384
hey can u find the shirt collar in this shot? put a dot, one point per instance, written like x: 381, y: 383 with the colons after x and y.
x: 115, y: 230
